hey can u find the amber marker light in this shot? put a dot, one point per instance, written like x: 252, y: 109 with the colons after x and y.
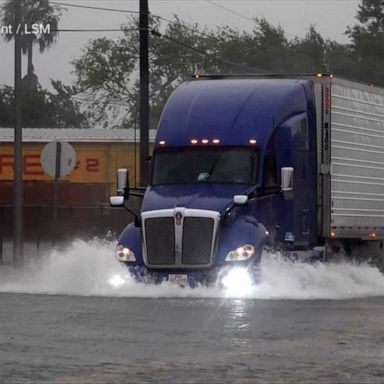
x: 194, y: 141
x: 216, y: 141
x: 252, y: 141
x: 205, y: 141
x: 372, y: 235
x: 319, y: 75
x: 333, y: 234
x: 162, y: 142
x: 331, y: 75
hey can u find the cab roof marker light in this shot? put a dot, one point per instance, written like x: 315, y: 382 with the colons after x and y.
x: 205, y: 141
x: 319, y: 75
x: 162, y: 142
x: 194, y: 141
x: 252, y: 141
x: 216, y: 141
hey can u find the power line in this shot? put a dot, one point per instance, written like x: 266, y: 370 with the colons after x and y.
x: 220, y: 59
x: 94, y: 30
x: 99, y: 101
x: 186, y: 27
x: 230, y: 10
x: 163, y: 18
x: 156, y: 33
x: 248, y: 18
x: 77, y: 98
x: 94, y: 8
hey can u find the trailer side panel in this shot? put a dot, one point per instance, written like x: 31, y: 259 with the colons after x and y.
x: 357, y: 160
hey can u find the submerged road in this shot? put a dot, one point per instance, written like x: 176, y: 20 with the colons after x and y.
x: 74, y: 339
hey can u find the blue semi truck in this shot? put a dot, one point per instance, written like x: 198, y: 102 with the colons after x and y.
x: 246, y: 166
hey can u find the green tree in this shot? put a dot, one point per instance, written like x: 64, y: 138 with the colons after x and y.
x: 309, y: 53
x: 33, y: 12
x: 6, y: 107
x: 43, y: 109
x: 107, y: 70
x: 368, y: 41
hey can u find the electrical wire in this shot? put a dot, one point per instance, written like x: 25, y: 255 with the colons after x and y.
x: 186, y: 27
x: 243, y: 16
x: 99, y: 100
x: 155, y: 33
x: 230, y: 10
x: 94, y: 30
x: 94, y: 8
x: 76, y: 98
x: 220, y: 59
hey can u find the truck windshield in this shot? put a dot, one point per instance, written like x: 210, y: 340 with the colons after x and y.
x: 205, y: 165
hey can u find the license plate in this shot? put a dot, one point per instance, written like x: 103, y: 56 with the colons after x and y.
x: 181, y: 280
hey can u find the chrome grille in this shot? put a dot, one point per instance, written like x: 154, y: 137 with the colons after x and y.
x: 197, y: 240
x: 160, y: 240
x: 179, y: 238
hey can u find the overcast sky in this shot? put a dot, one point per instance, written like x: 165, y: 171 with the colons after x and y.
x: 329, y: 16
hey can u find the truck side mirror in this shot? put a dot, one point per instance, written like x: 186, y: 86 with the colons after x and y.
x: 240, y: 199
x: 287, y: 182
x: 123, y: 183
x: 116, y: 201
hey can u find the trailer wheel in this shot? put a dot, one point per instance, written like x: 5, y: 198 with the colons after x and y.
x: 335, y: 251
x: 375, y: 252
x: 355, y: 251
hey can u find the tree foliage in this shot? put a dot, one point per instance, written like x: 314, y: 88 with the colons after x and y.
x: 42, y: 109
x: 107, y: 70
x: 367, y: 39
x: 32, y: 12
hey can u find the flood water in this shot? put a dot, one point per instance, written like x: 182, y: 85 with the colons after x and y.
x: 64, y: 320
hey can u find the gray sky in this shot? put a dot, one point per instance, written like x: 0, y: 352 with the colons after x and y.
x: 329, y: 16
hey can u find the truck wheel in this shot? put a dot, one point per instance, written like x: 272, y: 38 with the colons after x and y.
x: 335, y: 251
x: 375, y: 254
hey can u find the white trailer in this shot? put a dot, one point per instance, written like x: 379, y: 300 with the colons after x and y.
x: 350, y: 158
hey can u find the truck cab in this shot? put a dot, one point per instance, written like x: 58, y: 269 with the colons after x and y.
x: 233, y: 175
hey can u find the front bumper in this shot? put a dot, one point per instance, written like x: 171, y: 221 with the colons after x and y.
x: 211, y: 277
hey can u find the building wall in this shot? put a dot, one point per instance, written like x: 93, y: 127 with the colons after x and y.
x: 90, y: 184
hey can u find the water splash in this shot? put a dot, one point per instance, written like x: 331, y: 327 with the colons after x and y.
x: 90, y: 269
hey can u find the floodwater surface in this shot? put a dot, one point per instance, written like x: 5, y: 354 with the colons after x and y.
x: 69, y: 319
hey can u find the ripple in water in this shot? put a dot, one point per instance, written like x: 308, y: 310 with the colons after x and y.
x: 88, y: 268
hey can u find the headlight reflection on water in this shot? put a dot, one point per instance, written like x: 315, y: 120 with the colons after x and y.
x: 116, y: 281
x: 237, y: 282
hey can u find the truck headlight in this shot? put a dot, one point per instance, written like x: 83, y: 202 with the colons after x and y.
x: 124, y: 253
x: 237, y: 282
x: 241, y: 254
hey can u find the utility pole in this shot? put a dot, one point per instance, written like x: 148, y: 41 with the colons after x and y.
x: 144, y: 93
x: 18, y: 142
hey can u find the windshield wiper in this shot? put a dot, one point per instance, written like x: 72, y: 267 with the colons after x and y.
x: 212, y: 168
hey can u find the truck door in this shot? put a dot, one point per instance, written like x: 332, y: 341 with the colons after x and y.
x: 301, y: 181
x: 292, y: 149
